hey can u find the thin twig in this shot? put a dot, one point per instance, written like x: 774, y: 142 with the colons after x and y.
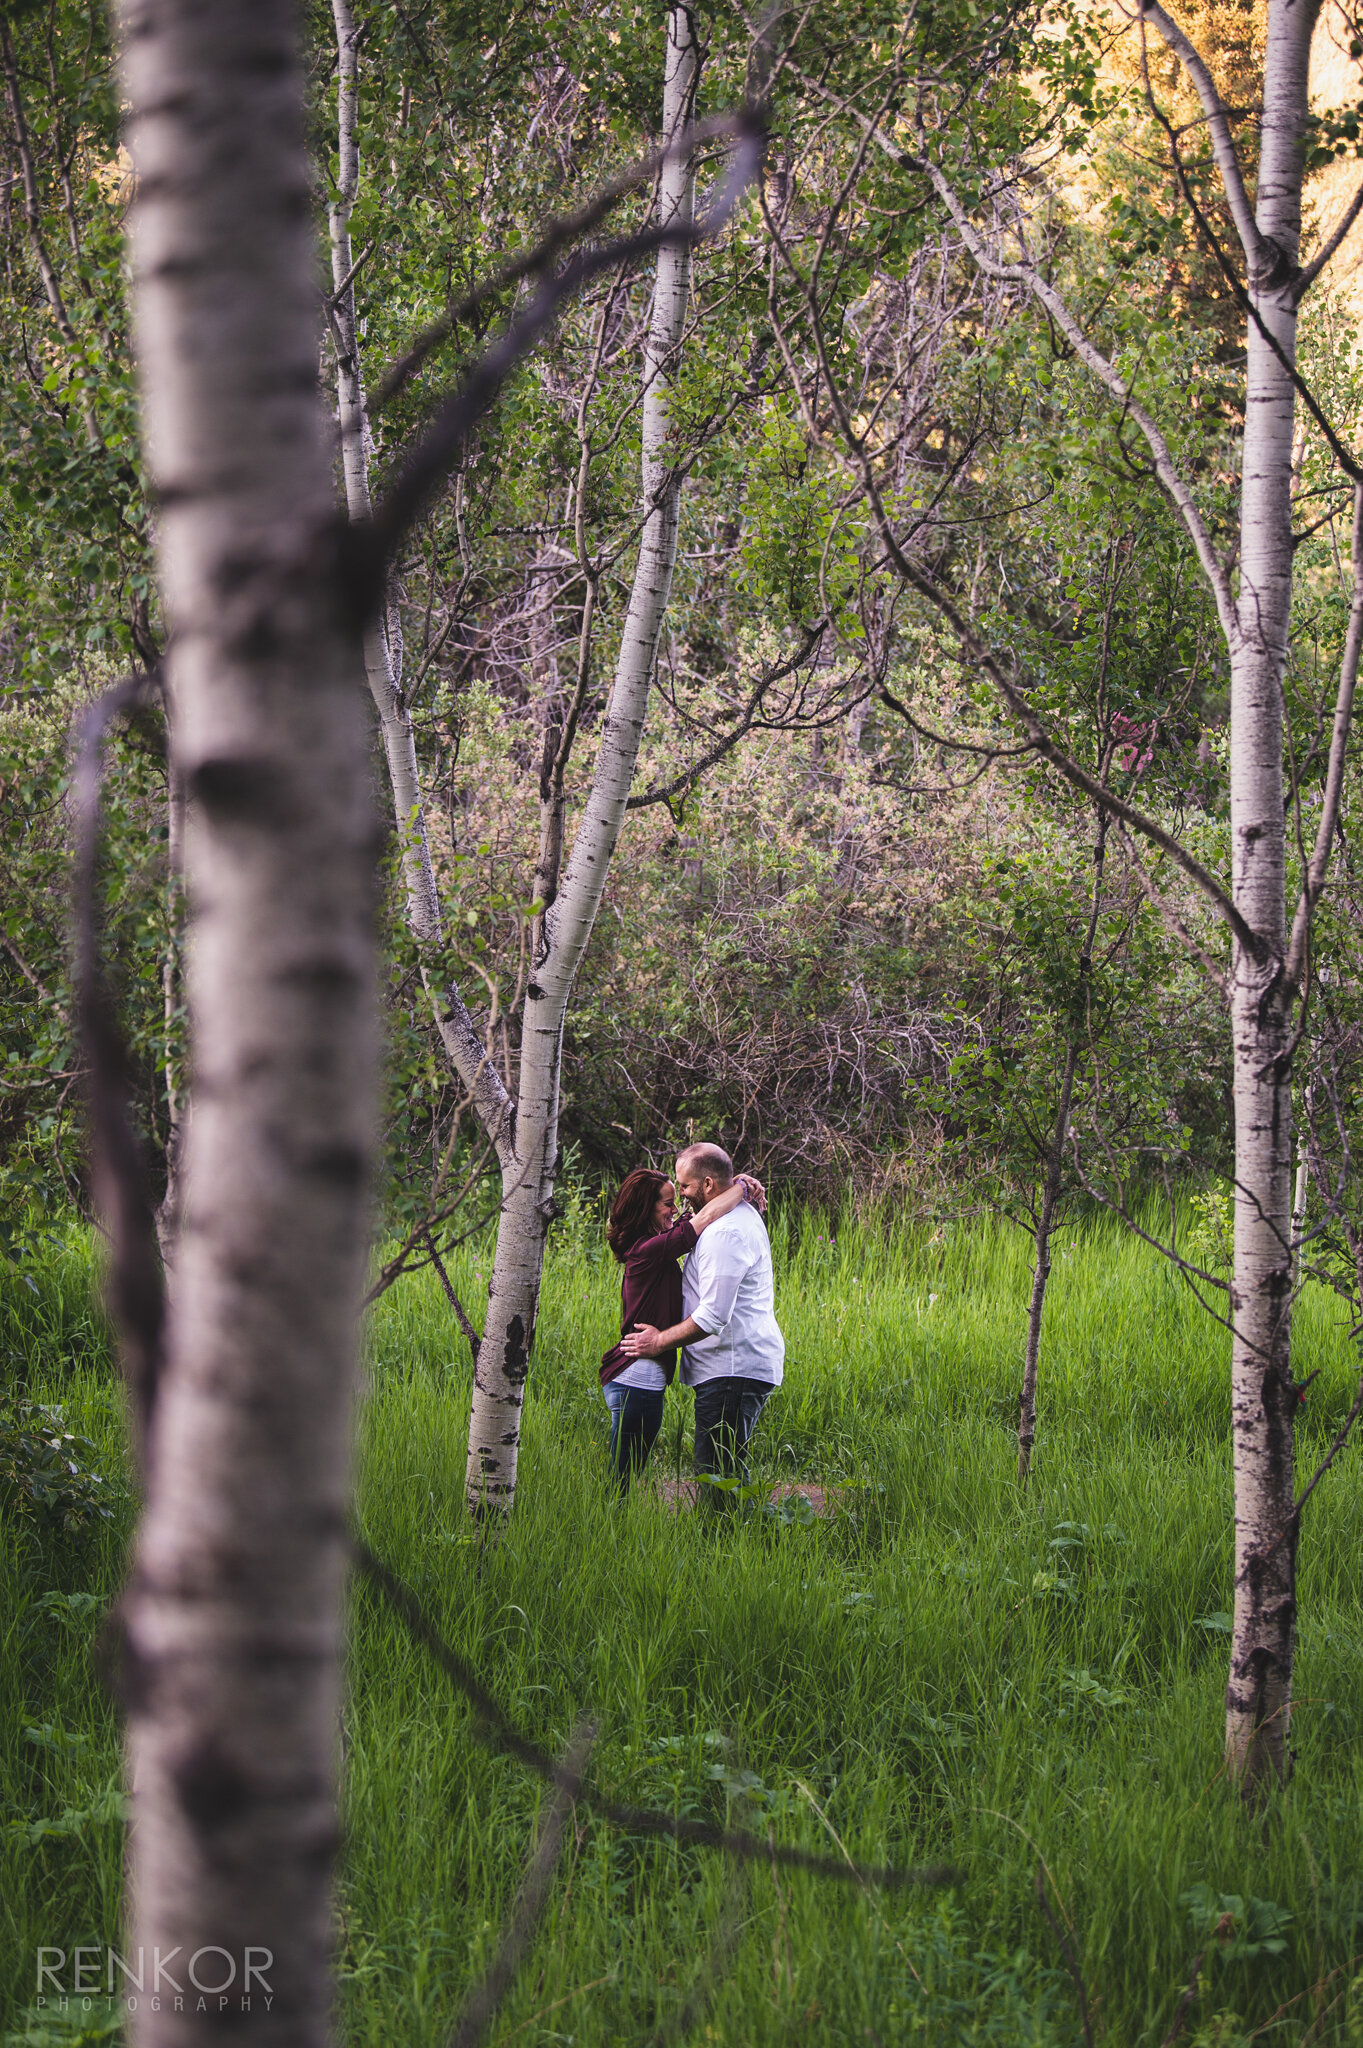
x: 356, y: 267
x: 429, y: 462
x: 480, y: 2007
x: 35, y: 980
x: 455, y: 1303
x: 500, y: 1729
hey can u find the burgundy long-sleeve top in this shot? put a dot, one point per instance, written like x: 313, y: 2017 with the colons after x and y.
x: 651, y: 1292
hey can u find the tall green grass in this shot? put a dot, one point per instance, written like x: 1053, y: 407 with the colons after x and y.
x: 944, y: 1669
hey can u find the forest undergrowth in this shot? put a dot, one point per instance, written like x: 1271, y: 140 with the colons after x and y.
x: 943, y: 1669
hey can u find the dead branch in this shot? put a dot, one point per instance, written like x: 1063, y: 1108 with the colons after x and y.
x: 500, y: 1730
x: 481, y: 2006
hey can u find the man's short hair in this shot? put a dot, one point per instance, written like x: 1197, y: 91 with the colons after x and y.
x: 706, y: 1158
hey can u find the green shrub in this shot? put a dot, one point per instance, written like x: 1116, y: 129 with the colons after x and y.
x: 47, y: 1474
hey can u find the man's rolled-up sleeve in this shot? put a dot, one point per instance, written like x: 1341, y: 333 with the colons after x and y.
x: 721, y: 1265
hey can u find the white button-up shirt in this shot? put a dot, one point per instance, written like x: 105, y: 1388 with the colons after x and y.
x: 727, y: 1287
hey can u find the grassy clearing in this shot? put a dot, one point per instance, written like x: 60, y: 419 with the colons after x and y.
x: 945, y: 1670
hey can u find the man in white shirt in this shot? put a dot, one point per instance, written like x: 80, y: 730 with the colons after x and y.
x: 734, y: 1352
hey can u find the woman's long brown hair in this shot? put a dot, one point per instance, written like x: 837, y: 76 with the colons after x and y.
x: 631, y: 1217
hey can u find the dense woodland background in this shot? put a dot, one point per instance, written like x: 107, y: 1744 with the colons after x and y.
x: 842, y: 946
x: 989, y: 867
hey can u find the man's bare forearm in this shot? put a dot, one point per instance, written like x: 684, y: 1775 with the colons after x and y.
x: 689, y: 1332
x: 658, y: 1341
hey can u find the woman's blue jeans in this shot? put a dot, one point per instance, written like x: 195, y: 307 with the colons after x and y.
x: 636, y: 1418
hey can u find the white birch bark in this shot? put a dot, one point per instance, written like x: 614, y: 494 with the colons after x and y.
x: 1267, y: 970
x: 1258, y: 1693
x: 528, y: 1174
x: 382, y: 642
x: 232, y: 1615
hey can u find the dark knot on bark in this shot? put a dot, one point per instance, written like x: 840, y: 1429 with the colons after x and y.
x: 1275, y: 269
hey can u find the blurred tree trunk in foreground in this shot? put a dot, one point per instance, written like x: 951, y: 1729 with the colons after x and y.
x: 233, y: 1611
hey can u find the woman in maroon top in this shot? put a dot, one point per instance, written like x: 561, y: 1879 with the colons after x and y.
x: 648, y: 1239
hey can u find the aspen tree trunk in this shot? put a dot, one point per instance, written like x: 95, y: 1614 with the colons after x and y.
x: 232, y: 1615
x: 383, y: 641
x: 382, y: 649
x: 1050, y: 1196
x: 1258, y: 1692
x: 528, y: 1173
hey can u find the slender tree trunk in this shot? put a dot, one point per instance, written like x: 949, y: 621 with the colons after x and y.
x: 528, y: 1174
x: 233, y: 1611
x: 382, y: 645
x: 33, y: 213
x: 382, y: 642
x: 1259, y: 1691
x: 1302, y: 1188
x: 1041, y: 1270
x: 1055, y: 1160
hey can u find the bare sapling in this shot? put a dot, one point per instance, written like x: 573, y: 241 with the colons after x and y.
x: 1054, y: 1163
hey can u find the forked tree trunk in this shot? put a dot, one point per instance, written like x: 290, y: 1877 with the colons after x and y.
x: 528, y: 1173
x: 233, y: 1611
x: 1055, y: 1160
x: 1259, y: 1690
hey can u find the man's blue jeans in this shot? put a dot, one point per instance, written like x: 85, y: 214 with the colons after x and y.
x: 726, y: 1416
x: 636, y: 1418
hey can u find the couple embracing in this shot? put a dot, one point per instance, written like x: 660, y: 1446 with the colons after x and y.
x: 718, y: 1308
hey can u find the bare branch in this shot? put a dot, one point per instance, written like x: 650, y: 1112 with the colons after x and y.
x: 1307, y: 276
x: 1025, y: 272
x: 455, y: 1303
x: 1074, y: 772
x: 560, y: 234
x: 998, y: 671
x: 1109, y: 376
x: 1341, y: 1437
x: 480, y: 2007
x: 686, y: 781
x: 35, y: 980
x: 1155, y: 895
x: 939, y: 739
x: 501, y: 1730
x: 33, y: 214
x: 429, y: 462
x: 1248, y: 305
